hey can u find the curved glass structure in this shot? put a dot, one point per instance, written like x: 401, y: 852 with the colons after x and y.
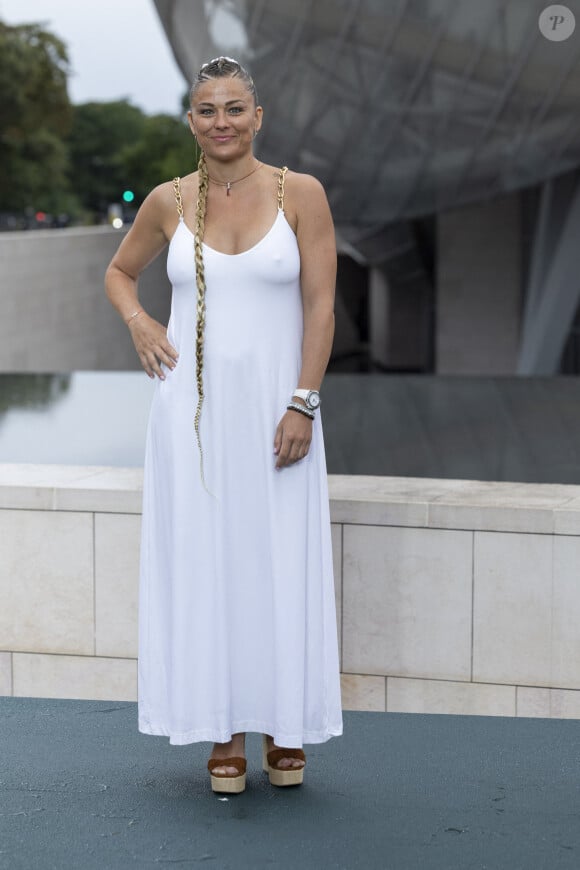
x: 402, y: 109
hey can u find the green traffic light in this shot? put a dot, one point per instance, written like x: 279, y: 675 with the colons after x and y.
x: 128, y: 196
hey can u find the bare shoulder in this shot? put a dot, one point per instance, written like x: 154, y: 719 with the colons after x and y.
x: 155, y: 207
x: 304, y: 199
x: 297, y: 185
x: 159, y: 210
x: 308, y: 206
x: 304, y: 187
x: 162, y: 197
x: 152, y: 229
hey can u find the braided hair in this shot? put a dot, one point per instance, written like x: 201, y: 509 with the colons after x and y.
x: 200, y: 307
x: 223, y: 67
x: 220, y: 67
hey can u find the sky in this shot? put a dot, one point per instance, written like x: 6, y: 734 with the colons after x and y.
x: 117, y: 49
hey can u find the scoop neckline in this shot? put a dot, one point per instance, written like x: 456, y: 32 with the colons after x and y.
x: 241, y: 253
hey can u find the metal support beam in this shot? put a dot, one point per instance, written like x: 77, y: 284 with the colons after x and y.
x: 554, y: 292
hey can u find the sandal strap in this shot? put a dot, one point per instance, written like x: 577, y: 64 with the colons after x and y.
x: 234, y: 761
x: 275, y: 755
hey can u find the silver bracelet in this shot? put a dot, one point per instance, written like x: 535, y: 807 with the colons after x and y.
x: 294, y: 406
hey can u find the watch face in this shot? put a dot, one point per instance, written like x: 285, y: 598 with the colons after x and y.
x: 313, y: 400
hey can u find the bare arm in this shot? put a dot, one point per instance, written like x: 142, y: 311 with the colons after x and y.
x: 142, y: 244
x: 316, y: 240
x: 318, y: 281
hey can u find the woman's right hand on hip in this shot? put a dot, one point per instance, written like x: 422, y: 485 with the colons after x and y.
x: 150, y: 340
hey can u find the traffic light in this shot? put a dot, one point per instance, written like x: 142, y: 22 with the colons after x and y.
x: 128, y: 196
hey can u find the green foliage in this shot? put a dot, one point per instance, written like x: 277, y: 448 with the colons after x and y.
x: 35, y: 114
x: 115, y: 146
x: 99, y: 134
x: 55, y: 157
x: 166, y: 149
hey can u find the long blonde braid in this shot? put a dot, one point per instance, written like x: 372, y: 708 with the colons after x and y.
x: 203, y: 183
x: 218, y: 67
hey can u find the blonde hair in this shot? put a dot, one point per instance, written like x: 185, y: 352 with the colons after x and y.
x: 223, y: 67
x: 203, y: 183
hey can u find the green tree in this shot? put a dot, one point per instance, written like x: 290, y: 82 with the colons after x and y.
x: 115, y: 147
x: 165, y: 149
x: 35, y: 115
x: 99, y: 137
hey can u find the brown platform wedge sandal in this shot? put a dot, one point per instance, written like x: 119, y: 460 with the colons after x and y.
x: 225, y: 782
x: 282, y: 775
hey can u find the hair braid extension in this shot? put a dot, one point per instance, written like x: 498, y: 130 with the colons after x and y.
x: 219, y: 67
x: 200, y: 306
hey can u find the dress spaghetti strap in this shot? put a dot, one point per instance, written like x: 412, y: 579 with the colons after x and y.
x: 281, y: 178
x: 177, y: 192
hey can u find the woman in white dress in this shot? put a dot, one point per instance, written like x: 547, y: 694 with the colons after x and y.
x: 237, y: 622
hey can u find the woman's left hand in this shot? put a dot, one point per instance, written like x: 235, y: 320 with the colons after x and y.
x: 292, y: 440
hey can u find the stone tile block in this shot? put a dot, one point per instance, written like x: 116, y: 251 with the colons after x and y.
x: 439, y: 696
x: 33, y: 486
x: 488, y: 517
x: 548, y: 703
x: 567, y: 517
x: 461, y: 504
x: 367, y: 499
x: 500, y: 506
x: 70, y: 487
x: 512, y: 608
x: 116, y: 490
x: 564, y: 652
x: 5, y: 673
x: 407, y: 602
x: 379, y: 513
x: 46, y: 581
x: 117, y: 541
x: 336, y: 530
x: 531, y: 701
x: 362, y: 692
x: 83, y: 677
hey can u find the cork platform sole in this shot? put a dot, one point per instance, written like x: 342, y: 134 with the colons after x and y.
x: 280, y: 775
x: 221, y: 782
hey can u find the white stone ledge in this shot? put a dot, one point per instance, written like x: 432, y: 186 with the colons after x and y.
x: 473, y: 505
x: 355, y: 499
x: 71, y: 488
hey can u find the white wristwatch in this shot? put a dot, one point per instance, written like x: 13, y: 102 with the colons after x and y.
x: 311, y: 397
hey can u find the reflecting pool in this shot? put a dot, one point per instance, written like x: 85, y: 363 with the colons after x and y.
x: 473, y: 428
x: 82, y: 418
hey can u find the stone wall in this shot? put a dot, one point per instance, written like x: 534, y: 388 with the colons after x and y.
x: 452, y: 596
x: 55, y: 314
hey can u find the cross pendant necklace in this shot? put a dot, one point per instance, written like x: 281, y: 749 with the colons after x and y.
x: 228, y: 184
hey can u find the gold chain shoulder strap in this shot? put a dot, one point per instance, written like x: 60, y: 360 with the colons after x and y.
x: 177, y: 192
x: 281, y: 177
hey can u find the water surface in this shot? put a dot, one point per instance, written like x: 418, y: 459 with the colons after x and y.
x: 83, y: 418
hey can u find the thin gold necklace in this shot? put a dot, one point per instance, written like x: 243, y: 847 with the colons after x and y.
x: 228, y: 184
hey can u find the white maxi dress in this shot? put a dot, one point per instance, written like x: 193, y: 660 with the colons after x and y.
x: 237, y: 621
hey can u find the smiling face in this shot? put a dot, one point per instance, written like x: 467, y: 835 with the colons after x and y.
x: 224, y: 118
